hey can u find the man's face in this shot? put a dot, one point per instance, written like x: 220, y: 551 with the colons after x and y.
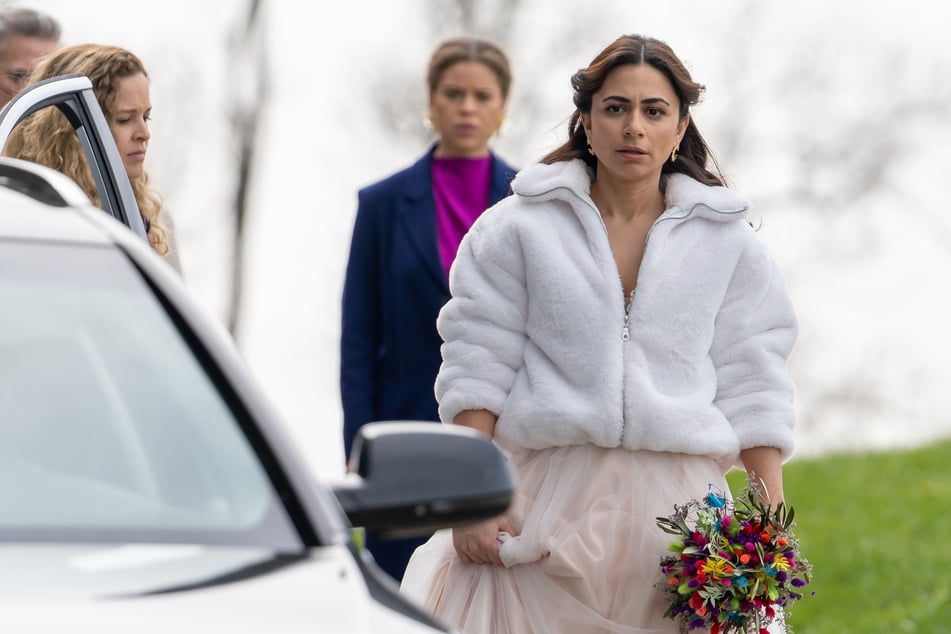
x: 18, y: 55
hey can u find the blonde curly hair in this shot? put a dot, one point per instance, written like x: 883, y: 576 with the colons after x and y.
x: 47, y: 138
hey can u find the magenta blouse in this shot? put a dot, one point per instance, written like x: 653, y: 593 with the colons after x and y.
x: 461, y: 192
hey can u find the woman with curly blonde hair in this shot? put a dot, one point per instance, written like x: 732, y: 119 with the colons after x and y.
x: 121, y: 85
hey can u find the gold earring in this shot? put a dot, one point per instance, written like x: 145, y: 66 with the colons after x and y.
x: 428, y: 121
x: 588, y: 141
x: 673, y: 155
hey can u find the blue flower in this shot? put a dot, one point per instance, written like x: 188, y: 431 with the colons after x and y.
x: 716, y: 501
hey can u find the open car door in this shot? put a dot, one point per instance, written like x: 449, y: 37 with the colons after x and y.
x: 74, y: 97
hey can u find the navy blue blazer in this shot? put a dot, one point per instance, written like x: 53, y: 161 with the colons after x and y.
x: 394, y: 287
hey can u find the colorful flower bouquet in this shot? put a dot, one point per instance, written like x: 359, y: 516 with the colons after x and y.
x: 736, y: 565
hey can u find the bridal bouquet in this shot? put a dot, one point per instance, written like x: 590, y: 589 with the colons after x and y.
x: 735, y: 565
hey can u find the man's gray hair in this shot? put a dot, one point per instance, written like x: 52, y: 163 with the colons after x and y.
x: 29, y: 23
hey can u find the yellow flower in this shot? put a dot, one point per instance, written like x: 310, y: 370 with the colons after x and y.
x: 781, y: 564
x: 717, y: 567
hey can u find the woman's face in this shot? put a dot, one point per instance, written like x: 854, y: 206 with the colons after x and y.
x: 634, y: 123
x: 466, y: 108
x: 129, y: 123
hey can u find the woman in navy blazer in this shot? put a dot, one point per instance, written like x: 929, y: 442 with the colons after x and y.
x: 405, y: 235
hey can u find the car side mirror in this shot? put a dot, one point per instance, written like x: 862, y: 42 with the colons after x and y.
x: 410, y: 478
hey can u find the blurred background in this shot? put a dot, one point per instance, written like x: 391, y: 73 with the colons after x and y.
x: 834, y: 118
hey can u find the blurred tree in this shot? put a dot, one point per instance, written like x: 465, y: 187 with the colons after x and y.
x: 250, y: 91
x: 838, y: 141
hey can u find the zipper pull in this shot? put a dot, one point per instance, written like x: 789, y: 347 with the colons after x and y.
x: 626, y: 333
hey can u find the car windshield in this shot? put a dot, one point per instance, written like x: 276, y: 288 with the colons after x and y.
x: 110, y: 428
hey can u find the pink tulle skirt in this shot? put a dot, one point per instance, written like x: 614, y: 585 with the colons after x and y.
x: 587, y: 556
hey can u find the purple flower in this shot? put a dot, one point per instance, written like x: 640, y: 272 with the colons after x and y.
x: 798, y: 582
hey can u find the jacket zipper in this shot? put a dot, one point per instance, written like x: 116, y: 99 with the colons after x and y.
x: 626, y: 332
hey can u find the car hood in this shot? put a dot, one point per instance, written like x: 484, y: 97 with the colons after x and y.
x: 186, y: 588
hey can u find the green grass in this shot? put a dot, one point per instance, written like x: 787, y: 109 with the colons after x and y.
x: 876, y: 528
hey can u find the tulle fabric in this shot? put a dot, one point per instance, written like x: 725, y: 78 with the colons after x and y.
x: 586, y: 559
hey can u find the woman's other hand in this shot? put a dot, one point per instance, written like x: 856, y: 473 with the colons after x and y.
x: 479, y: 543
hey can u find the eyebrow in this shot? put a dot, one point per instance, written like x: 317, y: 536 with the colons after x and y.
x: 648, y: 100
x: 448, y: 84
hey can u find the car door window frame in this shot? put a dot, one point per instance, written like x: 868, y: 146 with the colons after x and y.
x: 74, y: 97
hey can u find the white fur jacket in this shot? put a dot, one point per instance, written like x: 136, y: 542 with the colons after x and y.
x: 533, y: 332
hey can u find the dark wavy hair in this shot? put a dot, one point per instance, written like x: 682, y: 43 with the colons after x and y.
x: 694, y: 154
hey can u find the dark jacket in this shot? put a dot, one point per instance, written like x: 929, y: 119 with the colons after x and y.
x: 393, y: 290
x: 394, y: 287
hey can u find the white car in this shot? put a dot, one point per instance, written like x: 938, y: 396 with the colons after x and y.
x: 146, y: 485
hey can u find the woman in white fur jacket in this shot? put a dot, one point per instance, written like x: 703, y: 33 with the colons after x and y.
x: 619, y: 329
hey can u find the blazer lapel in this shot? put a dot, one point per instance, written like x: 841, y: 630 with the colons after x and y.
x: 417, y: 212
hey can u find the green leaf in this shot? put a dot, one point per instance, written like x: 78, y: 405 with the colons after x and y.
x: 789, y: 518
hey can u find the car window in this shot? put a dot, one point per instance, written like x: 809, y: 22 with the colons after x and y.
x: 108, y: 423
